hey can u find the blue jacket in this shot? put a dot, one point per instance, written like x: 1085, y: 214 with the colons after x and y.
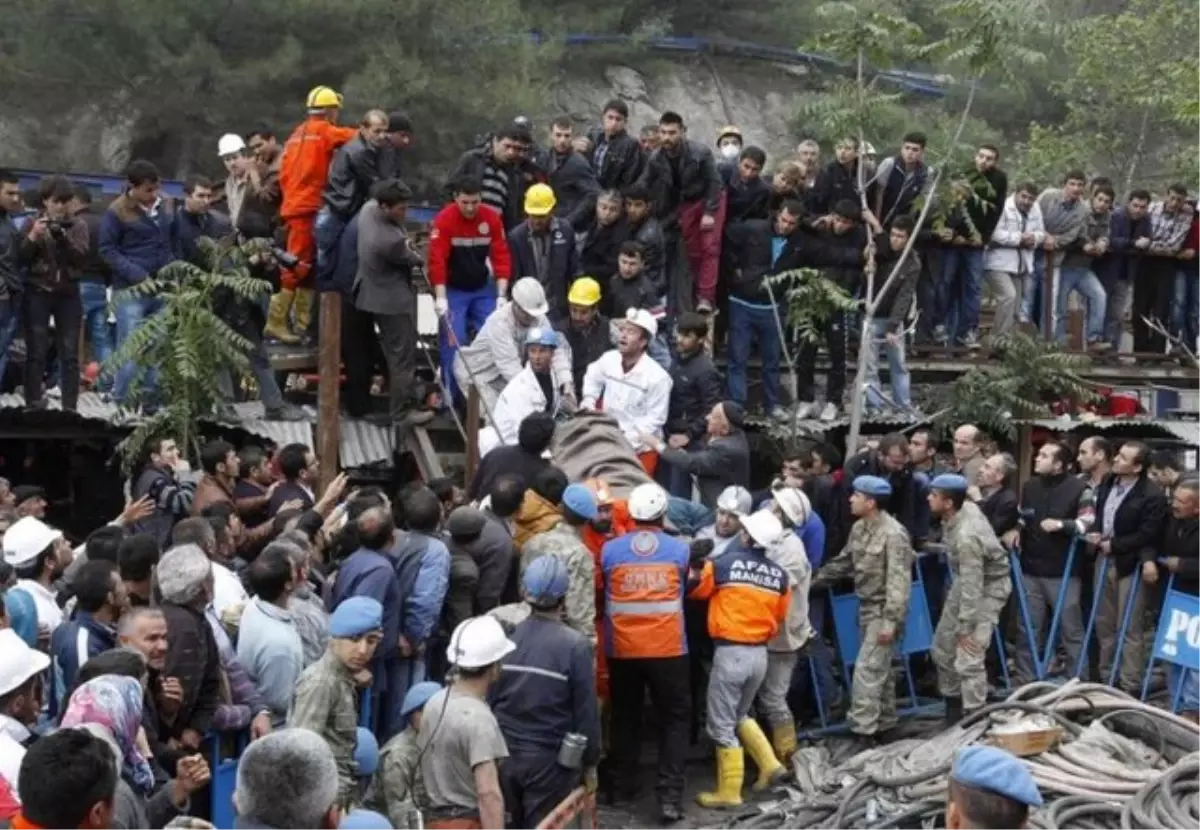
x: 188, y: 228
x: 368, y: 573
x: 425, y: 591
x: 74, y: 643
x: 134, y: 244
x: 547, y: 689
x: 813, y: 537
x: 1123, y: 261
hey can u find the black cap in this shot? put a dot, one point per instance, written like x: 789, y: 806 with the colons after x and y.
x: 848, y: 209
x: 399, y: 122
x: 26, y: 492
x: 734, y: 414
x: 465, y: 522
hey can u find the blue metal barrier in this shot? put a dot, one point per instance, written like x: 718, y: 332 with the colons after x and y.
x: 224, y: 779
x: 1177, y: 641
x: 1041, y: 659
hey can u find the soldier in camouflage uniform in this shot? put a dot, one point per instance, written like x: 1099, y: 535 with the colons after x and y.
x: 982, y: 583
x: 326, y: 699
x: 398, y: 790
x: 564, y: 541
x: 880, y: 557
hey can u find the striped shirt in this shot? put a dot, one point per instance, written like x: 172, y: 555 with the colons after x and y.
x: 1168, y: 230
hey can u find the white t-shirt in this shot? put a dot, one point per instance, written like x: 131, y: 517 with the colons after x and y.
x: 227, y: 589
x: 49, y: 615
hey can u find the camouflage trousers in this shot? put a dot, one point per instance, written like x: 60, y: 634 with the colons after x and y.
x: 873, y: 690
x: 962, y: 672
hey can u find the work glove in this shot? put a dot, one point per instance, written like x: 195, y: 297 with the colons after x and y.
x: 441, y: 306
x: 501, y: 302
x: 698, y: 552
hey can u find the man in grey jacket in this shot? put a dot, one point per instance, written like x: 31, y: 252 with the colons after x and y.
x: 1064, y: 214
x: 383, y: 288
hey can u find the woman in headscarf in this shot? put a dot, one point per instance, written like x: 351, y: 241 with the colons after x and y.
x: 110, y: 707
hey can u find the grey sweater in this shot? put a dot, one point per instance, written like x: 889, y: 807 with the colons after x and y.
x: 1063, y: 220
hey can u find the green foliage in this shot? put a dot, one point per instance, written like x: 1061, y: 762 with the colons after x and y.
x: 187, y: 342
x: 1031, y: 374
x: 811, y: 300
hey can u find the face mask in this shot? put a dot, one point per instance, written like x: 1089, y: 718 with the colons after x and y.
x: 729, y: 152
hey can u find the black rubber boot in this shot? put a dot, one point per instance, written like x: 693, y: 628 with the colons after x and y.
x: 954, y: 710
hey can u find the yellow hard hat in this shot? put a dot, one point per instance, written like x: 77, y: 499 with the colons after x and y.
x: 539, y: 200
x: 584, y: 291
x: 323, y: 97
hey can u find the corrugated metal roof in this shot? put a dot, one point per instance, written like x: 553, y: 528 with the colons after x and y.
x: 816, y: 426
x: 92, y: 407
x: 363, y: 444
x: 1186, y: 431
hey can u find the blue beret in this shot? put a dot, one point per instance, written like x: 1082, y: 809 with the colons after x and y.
x: 417, y: 696
x: 873, y: 486
x: 365, y: 820
x: 580, y: 500
x: 545, y: 580
x: 949, y: 481
x: 366, y: 753
x: 355, y: 617
x: 991, y: 768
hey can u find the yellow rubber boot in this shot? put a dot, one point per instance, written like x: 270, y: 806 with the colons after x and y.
x: 277, y: 318
x: 731, y: 769
x: 306, y: 300
x: 770, y: 771
x: 783, y: 741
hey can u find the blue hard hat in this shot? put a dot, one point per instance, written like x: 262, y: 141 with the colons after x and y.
x: 366, y: 752
x: 873, y: 486
x: 538, y: 336
x: 418, y: 696
x: 991, y: 768
x: 580, y: 500
x: 545, y: 580
x: 365, y: 820
x: 951, y: 482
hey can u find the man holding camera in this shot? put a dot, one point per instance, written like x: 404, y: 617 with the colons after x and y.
x: 53, y: 250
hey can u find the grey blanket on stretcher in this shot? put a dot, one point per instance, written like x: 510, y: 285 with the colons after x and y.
x: 591, y: 444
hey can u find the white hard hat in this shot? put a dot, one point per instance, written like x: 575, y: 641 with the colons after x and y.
x: 647, y: 502
x: 734, y: 499
x: 530, y: 296
x: 26, y: 539
x: 794, y: 504
x: 478, y: 642
x: 18, y: 662
x: 763, y: 527
x: 643, y: 320
x: 230, y: 144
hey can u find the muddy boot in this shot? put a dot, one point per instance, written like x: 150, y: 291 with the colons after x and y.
x: 305, y: 307
x: 277, y: 318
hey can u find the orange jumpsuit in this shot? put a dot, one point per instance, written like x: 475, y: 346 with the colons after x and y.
x: 303, y: 173
x: 594, y: 540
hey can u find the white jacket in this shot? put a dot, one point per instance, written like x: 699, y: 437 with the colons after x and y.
x: 497, y: 353
x: 1002, y: 253
x: 522, y: 397
x: 789, y: 554
x: 638, y: 400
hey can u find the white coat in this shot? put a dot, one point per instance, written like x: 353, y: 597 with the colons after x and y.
x: 638, y: 399
x: 1003, y: 253
x: 522, y: 397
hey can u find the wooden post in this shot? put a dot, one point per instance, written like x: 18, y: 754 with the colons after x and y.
x: 1076, y: 341
x: 329, y: 374
x: 472, y: 434
x: 1024, y: 456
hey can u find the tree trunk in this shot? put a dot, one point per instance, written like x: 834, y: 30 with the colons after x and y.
x: 1138, y: 149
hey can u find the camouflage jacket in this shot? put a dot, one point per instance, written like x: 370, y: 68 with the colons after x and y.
x: 326, y: 701
x: 563, y: 542
x: 977, y: 562
x: 879, y: 556
x: 398, y: 789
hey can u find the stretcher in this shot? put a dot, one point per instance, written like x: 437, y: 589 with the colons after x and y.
x: 576, y: 811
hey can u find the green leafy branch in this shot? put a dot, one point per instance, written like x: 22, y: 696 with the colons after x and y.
x: 811, y: 300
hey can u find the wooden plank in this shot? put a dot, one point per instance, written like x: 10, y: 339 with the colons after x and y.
x: 418, y: 443
x: 472, y: 434
x: 330, y: 370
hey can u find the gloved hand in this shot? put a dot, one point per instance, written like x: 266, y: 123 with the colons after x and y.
x: 591, y: 780
x: 698, y: 551
x: 441, y: 306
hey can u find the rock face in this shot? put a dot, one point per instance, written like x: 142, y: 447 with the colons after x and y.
x: 761, y: 99
x: 90, y: 139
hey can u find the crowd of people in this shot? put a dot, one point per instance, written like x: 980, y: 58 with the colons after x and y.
x: 473, y: 652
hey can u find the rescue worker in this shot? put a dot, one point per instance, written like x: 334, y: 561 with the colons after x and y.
x: 791, y: 507
x: 982, y: 582
x: 748, y: 596
x: 494, y: 357
x: 733, y: 503
x: 612, y: 520
x: 879, y: 556
x: 398, y: 791
x: 645, y: 577
x: 531, y: 390
x: 631, y: 387
x: 326, y: 698
x: 468, y: 249
x: 585, y: 329
x: 989, y: 788
x: 303, y: 172
x: 546, y: 692
x: 543, y: 246
x: 563, y: 542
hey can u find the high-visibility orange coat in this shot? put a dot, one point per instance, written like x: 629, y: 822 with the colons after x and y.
x: 304, y: 168
x: 594, y: 540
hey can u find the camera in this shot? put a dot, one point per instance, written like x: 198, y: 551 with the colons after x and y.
x: 284, y: 258
x: 57, y: 230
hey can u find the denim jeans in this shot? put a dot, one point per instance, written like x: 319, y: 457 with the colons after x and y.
x: 327, y: 232
x: 130, y: 313
x: 688, y: 516
x: 94, y: 298
x: 749, y: 324
x: 1185, y: 306
x: 1087, y: 285
x: 896, y: 368
x: 1031, y: 298
x: 960, y: 291
x: 260, y: 366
